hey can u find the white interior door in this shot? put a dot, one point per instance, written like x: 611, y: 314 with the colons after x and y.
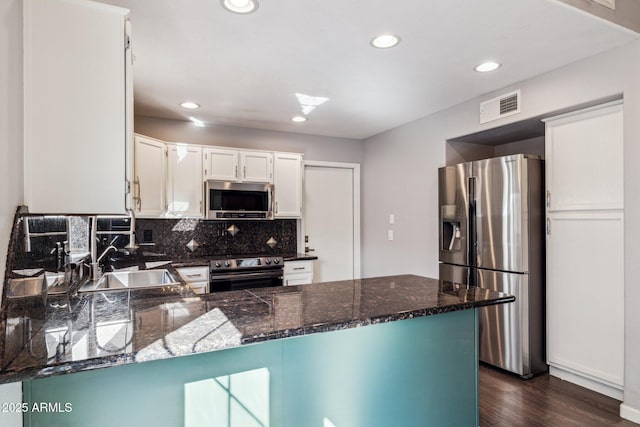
x: 331, y: 220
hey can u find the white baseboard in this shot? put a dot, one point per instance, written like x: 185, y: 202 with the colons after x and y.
x: 589, y: 383
x: 629, y: 413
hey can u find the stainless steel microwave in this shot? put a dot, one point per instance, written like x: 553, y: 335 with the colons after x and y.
x: 233, y: 200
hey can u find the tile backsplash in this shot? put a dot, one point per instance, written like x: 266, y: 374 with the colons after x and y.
x: 38, y: 241
x: 178, y: 237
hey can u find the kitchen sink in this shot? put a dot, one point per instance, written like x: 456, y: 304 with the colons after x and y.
x: 131, y: 280
x: 32, y: 286
x: 27, y: 287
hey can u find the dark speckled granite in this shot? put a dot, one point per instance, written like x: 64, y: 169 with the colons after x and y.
x: 95, y: 330
x: 298, y: 257
x: 158, y: 238
x: 170, y: 236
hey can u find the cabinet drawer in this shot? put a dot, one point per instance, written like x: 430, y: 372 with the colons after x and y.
x: 199, y: 287
x: 298, y: 267
x: 194, y: 274
x: 298, y: 279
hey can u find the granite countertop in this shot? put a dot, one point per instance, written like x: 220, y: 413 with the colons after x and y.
x: 199, y: 262
x: 102, y: 329
x: 299, y: 257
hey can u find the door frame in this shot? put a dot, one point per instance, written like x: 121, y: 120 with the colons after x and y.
x: 355, y: 169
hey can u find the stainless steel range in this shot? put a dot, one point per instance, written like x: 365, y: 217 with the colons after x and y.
x: 228, y: 274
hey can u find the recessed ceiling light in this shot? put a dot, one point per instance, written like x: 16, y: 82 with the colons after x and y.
x: 487, y: 66
x: 385, y: 41
x: 298, y: 119
x: 240, y: 6
x: 190, y: 105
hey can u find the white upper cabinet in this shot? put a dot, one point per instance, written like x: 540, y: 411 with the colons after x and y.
x: 168, y: 178
x: 287, y: 185
x: 77, y: 107
x: 220, y: 164
x: 584, y: 160
x: 257, y: 166
x: 184, y: 181
x: 150, y: 173
x: 223, y: 164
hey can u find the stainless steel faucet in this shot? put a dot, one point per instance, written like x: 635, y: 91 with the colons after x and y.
x: 95, y: 266
x: 95, y: 259
x: 132, y: 246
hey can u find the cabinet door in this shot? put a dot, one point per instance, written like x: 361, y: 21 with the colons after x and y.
x: 75, y: 107
x: 184, y: 184
x: 585, y: 295
x: 220, y: 164
x: 287, y: 180
x: 256, y: 166
x: 149, y: 177
x: 584, y: 160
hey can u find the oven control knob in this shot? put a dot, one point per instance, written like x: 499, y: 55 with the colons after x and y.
x: 276, y: 260
x: 267, y: 261
x: 227, y: 264
x: 217, y: 264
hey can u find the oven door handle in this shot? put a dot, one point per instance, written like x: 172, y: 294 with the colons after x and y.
x: 240, y: 276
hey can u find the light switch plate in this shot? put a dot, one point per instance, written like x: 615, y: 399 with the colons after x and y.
x: 390, y: 234
x: 392, y: 219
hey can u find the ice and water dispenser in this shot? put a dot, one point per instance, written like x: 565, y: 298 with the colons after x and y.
x: 449, y: 228
x: 452, y: 216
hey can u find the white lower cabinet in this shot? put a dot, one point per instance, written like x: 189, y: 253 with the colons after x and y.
x: 196, y: 277
x: 585, y: 297
x: 298, y: 273
x: 184, y: 181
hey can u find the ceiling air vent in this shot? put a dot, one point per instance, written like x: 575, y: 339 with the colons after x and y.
x: 502, y: 106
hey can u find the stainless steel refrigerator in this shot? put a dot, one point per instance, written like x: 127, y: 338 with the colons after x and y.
x: 492, y: 236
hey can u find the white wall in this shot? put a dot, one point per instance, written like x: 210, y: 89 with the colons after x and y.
x: 10, y: 152
x: 400, y: 176
x: 313, y: 147
x: 459, y: 152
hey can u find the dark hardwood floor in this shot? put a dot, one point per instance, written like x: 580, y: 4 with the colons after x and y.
x: 507, y: 400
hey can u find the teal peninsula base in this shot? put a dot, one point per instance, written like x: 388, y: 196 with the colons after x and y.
x: 415, y: 372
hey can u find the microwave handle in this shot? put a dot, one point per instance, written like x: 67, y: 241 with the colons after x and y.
x: 271, y: 202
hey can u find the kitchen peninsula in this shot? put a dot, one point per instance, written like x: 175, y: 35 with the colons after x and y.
x: 378, y: 351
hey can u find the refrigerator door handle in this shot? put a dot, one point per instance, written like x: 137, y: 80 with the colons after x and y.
x: 471, y: 188
x: 472, y: 238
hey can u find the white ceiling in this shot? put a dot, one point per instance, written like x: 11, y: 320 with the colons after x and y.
x: 246, y: 69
